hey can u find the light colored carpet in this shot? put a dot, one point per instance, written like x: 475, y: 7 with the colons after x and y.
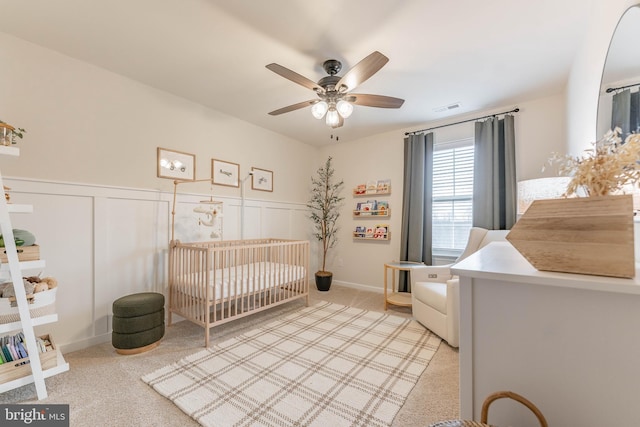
x: 327, y: 364
x: 104, y: 388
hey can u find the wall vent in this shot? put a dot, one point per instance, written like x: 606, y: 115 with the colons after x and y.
x: 447, y: 107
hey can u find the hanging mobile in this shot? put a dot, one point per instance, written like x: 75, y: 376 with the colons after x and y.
x: 212, y: 209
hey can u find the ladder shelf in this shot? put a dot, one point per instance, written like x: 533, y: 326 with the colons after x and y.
x: 26, y: 323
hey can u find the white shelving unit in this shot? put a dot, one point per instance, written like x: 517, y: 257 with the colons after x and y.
x: 15, y: 267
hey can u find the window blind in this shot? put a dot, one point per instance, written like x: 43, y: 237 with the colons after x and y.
x: 452, y: 197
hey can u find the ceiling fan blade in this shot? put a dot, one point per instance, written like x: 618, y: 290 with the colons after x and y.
x: 295, y: 77
x: 379, y: 101
x: 293, y: 107
x: 362, y: 71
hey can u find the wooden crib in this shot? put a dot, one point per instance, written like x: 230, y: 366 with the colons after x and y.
x: 215, y: 282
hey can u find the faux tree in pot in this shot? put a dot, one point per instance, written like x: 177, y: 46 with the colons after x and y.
x: 324, y: 205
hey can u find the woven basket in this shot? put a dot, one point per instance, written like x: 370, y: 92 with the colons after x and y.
x: 459, y: 423
x: 40, y: 304
x: 485, y: 411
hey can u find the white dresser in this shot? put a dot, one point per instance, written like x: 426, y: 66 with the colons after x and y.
x: 570, y: 343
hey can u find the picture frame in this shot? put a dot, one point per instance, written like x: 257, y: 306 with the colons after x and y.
x: 225, y: 173
x: 176, y: 165
x: 261, y: 179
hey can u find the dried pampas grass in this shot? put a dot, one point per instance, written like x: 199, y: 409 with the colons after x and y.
x: 604, y: 169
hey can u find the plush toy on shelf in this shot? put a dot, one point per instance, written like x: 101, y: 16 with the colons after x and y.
x: 32, y: 285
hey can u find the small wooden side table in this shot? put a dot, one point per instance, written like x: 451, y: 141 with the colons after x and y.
x: 392, y: 296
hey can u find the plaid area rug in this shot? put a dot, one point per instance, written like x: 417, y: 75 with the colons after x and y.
x: 324, y: 365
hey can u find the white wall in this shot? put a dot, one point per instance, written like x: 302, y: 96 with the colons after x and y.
x: 86, y: 124
x: 539, y: 131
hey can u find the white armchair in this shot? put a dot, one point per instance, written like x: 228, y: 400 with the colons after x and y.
x: 435, y: 294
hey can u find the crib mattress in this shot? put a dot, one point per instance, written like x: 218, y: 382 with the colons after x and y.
x: 241, y: 280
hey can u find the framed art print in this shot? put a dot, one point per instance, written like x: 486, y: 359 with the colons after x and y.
x: 225, y: 173
x: 261, y: 179
x: 176, y: 165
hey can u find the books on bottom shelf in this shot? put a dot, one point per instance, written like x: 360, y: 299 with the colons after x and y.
x: 14, y: 356
x: 380, y: 231
x: 14, y: 347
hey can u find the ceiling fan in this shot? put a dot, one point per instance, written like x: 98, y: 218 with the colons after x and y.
x: 334, y: 97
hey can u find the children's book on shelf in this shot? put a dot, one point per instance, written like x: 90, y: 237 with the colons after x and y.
x: 381, y: 231
x: 361, y: 231
x: 370, y: 230
x: 366, y: 208
x: 372, y: 187
x: 361, y: 189
x: 382, y: 207
x: 383, y: 186
x: 13, y: 347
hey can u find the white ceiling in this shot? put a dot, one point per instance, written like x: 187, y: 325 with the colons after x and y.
x: 483, y: 54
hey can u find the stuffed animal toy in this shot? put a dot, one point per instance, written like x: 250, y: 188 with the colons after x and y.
x: 9, y: 290
x: 32, y: 284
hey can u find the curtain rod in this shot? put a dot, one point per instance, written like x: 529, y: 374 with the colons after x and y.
x: 611, y: 89
x: 515, y: 110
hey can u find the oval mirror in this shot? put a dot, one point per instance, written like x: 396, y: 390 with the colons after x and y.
x: 619, y: 102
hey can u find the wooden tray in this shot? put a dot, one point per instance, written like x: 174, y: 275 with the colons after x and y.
x: 25, y: 253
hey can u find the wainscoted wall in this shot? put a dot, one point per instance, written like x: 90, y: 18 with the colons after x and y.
x: 104, y: 242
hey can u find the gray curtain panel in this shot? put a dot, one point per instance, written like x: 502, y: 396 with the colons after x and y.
x: 415, y: 239
x: 621, y: 112
x: 625, y: 112
x: 494, y: 176
x: 634, y: 116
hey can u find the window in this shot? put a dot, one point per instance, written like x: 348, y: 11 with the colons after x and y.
x: 452, y: 197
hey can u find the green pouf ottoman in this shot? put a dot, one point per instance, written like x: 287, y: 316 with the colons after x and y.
x: 138, y: 322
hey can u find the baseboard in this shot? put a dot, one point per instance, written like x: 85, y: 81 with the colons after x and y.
x: 359, y: 286
x: 86, y: 343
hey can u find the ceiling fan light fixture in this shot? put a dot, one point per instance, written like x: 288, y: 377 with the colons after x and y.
x: 319, y: 109
x: 344, y: 108
x: 335, y: 101
x: 332, y: 117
